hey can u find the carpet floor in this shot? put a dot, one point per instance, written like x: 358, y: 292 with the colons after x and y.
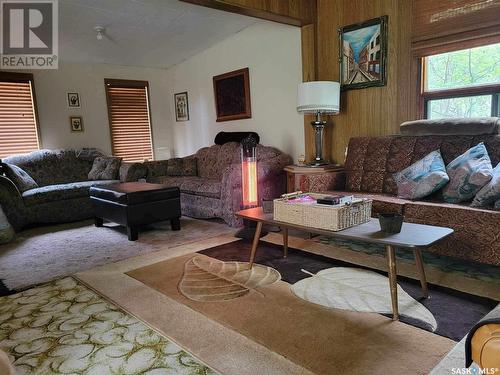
x: 51, y: 252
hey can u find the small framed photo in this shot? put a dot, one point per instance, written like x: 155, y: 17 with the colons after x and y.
x: 181, y: 106
x: 73, y: 100
x: 76, y: 123
x: 363, y: 54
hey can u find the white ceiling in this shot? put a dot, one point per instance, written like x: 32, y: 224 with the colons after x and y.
x: 152, y: 33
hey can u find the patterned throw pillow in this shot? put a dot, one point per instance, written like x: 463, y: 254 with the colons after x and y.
x: 468, y: 173
x: 19, y: 177
x: 422, y: 178
x: 490, y: 192
x: 189, y: 166
x: 105, y: 168
x: 174, y: 167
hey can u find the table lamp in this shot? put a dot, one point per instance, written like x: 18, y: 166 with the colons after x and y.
x: 318, y: 97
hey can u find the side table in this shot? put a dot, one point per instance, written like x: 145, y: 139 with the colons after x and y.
x: 315, y: 179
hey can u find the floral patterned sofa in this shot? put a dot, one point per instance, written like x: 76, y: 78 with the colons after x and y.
x: 62, y: 194
x: 372, y: 161
x: 210, y: 180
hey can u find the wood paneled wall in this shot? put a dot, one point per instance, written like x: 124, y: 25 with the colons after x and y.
x: 292, y: 12
x: 370, y: 111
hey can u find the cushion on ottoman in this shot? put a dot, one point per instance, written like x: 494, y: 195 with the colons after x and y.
x: 134, y: 192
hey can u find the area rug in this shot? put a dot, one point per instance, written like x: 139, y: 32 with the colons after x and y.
x: 319, y: 339
x: 443, y: 304
x: 63, y: 327
x: 55, y: 251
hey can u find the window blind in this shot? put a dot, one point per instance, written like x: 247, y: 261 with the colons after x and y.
x: 448, y: 25
x: 18, y: 123
x: 129, y: 119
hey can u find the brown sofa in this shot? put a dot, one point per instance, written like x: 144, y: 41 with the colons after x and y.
x: 210, y: 180
x: 372, y: 161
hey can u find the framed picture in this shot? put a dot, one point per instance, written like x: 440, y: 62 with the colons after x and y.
x: 76, y: 123
x: 73, y: 100
x: 363, y: 54
x: 181, y: 106
x: 232, y: 95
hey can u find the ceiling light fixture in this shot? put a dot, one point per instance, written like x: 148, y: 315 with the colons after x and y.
x: 100, y: 32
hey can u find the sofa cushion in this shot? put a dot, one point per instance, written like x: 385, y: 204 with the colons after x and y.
x: 174, y: 167
x: 189, y: 166
x: 497, y: 205
x: 422, y: 178
x: 60, y: 192
x: 455, y: 126
x: 474, y: 237
x: 51, y: 167
x: 105, y: 168
x: 468, y: 173
x: 156, y: 168
x: 490, y: 192
x: 19, y: 177
x: 202, y: 187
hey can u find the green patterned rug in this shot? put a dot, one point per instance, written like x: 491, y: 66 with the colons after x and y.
x: 64, y: 328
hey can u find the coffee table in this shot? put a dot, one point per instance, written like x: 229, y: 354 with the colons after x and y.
x: 412, y: 236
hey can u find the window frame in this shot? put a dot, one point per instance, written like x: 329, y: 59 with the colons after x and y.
x: 128, y: 83
x: 459, y: 92
x: 24, y: 78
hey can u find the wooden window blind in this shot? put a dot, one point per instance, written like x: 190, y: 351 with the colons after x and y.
x: 129, y: 119
x: 18, y: 119
x: 448, y: 25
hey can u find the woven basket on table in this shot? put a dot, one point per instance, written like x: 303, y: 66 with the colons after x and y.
x: 323, y: 216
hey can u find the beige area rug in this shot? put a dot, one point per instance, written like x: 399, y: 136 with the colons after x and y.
x: 54, y: 251
x: 274, y: 333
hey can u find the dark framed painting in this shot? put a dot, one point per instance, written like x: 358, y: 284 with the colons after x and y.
x: 363, y: 54
x: 232, y: 95
x: 76, y: 123
x: 181, y: 106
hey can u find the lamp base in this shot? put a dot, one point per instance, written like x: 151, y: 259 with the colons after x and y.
x: 248, y: 231
x: 318, y: 163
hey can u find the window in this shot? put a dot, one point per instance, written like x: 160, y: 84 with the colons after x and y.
x: 18, y: 119
x: 463, y: 83
x: 129, y: 119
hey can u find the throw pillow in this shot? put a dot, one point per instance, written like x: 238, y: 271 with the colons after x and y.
x: 189, y: 166
x: 105, y: 168
x: 490, y: 192
x: 497, y: 205
x: 6, y: 230
x: 422, y: 178
x: 19, y: 177
x: 174, y: 167
x: 468, y: 173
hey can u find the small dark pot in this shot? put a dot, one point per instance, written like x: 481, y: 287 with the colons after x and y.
x: 268, y: 206
x: 390, y: 223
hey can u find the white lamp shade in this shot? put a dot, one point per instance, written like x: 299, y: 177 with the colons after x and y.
x: 319, y: 96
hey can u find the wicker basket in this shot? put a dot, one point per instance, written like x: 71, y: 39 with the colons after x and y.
x: 323, y: 216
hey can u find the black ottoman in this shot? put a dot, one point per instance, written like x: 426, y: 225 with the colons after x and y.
x: 136, y: 203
